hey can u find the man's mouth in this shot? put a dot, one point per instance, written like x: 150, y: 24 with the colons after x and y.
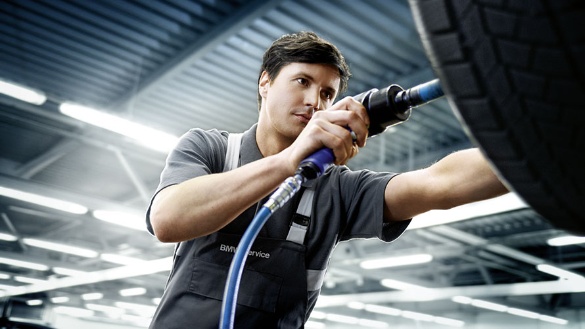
x: 303, y: 117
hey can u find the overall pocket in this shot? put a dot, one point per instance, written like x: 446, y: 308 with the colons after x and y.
x: 257, y: 289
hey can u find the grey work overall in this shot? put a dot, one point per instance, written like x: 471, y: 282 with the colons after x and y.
x: 273, y: 288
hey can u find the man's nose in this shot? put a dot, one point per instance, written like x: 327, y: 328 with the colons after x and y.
x: 313, y: 99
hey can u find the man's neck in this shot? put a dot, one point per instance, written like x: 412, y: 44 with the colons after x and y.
x: 270, y: 143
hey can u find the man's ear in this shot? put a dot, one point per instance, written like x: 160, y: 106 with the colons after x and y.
x: 263, y: 83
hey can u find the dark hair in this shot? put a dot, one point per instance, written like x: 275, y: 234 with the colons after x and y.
x: 303, y: 47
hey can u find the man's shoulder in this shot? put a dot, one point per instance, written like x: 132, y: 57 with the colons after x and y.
x: 206, y: 133
x: 201, y: 137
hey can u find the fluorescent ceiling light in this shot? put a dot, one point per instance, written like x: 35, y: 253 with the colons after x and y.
x: 462, y: 300
x: 8, y: 237
x: 489, y: 305
x: 507, y: 202
x: 73, y: 311
x: 356, y: 305
x: 552, y: 319
x: 341, y: 318
x: 109, y: 310
x: 120, y: 259
x: 523, y: 313
x: 20, y: 263
x: 375, y: 308
x: 92, y: 296
x: 318, y: 315
x: 137, y: 320
x: 372, y: 323
x: 61, y: 248
x: 67, y: 271
x: 141, y: 309
x: 314, y: 325
x: 130, y: 220
x: 382, y: 310
x: 399, y: 285
x: 372, y: 308
x: 565, y: 240
x: 559, y: 272
x: 116, y: 273
x: 25, y: 279
x: 34, y: 302
x: 23, y: 93
x: 147, y: 136
x: 449, y: 322
x: 396, y: 261
x: 509, y: 310
x: 355, y: 321
x: 66, y: 206
x: 132, y: 292
x: 417, y: 316
x: 5, y: 287
x: 58, y: 300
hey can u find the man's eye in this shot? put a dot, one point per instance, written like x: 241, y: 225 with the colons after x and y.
x: 327, y: 95
x: 303, y: 81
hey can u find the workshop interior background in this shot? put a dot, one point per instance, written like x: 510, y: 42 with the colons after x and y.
x: 178, y: 64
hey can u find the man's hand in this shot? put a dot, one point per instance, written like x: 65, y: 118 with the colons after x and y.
x: 343, y: 128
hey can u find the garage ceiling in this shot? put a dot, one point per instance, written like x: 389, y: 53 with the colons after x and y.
x: 178, y: 64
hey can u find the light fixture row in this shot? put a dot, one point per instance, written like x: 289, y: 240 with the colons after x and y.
x: 417, y: 316
x: 146, y: 136
x: 149, y: 137
x: 130, y: 220
x: 111, y: 258
x: 118, y: 311
x: 318, y: 316
x: 506, y: 309
x: 22, y: 93
x: 128, y: 292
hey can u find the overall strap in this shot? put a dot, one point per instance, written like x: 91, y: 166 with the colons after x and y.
x: 302, y: 218
x: 232, y: 155
x: 232, y: 158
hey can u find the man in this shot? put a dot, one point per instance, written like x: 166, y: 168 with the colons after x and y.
x: 207, y: 208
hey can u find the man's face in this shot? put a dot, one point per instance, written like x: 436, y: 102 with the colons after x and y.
x: 299, y: 89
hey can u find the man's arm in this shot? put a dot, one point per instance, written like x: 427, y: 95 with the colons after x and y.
x: 205, y: 204
x: 457, y: 179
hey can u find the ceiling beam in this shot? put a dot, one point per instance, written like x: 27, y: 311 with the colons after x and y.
x: 47, y: 158
x: 143, y: 191
x: 199, y: 49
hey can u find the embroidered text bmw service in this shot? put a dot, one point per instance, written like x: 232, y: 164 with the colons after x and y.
x: 254, y: 253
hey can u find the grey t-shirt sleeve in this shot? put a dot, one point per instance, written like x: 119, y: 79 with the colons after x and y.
x: 363, y: 199
x: 198, y: 152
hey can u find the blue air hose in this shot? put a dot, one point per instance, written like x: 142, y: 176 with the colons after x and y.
x: 230, y: 297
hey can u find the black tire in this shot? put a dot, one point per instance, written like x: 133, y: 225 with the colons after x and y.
x: 514, y: 73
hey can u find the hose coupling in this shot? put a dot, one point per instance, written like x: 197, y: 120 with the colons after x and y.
x: 285, y: 191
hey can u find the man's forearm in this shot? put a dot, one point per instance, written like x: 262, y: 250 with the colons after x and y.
x: 466, y: 176
x: 459, y: 178
x: 205, y: 204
